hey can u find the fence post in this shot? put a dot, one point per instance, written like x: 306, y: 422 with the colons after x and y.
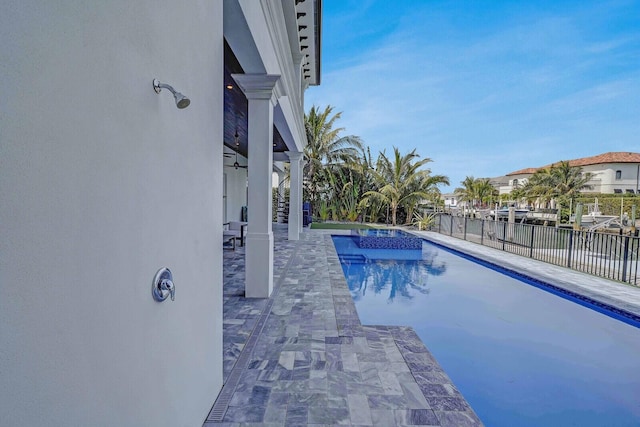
x: 625, y: 255
x: 504, y: 234
x: 533, y: 229
x: 440, y: 224
x: 571, y: 231
x: 451, y: 228
x: 482, y: 232
x: 464, y: 234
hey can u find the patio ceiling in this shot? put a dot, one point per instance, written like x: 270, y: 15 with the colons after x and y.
x: 236, y: 110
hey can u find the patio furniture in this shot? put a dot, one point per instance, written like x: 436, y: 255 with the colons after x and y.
x: 237, y: 227
x: 229, y: 237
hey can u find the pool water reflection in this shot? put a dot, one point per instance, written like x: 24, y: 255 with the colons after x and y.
x: 520, y: 355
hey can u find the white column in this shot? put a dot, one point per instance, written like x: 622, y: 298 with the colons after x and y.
x: 295, y: 195
x: 281, y: 191
x: 260, y: 90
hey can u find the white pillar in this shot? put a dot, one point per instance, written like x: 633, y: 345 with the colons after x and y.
x: 281, y: 191
x: 295, y: 195
x: 260, y: 90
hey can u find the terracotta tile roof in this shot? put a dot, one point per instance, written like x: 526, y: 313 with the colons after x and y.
x: 611, y: 157
x: 522, y: 171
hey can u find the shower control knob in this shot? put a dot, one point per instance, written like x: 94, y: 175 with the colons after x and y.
x: 162, y: 286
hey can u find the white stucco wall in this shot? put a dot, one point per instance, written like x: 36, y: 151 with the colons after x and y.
x: 102, y: 182
x: 520, y: 180
x: 236, y: 190
x: 604, y: 177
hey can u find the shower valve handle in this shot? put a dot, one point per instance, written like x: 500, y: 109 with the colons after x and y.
x: 163, y: 286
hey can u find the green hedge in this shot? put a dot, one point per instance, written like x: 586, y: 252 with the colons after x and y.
x: 610, y: 204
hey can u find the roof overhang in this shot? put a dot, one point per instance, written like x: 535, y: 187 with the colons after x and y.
x: 304, y: 27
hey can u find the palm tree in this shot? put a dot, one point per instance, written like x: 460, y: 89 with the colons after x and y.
x: 467, y: 193
x: 568, y: 180
x: 485, y: 191
x: 561, y: 182
x: 427, y: 184
x: 476, y: 191
x: 539, y: 187
x: 325, y: 150
x: 401, y: 182
x: 361, y: 169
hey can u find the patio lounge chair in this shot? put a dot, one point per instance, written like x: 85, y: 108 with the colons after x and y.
x: 237, y: 228
x: 229, y: 237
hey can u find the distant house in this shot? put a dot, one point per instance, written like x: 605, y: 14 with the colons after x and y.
x: 450, y: 200
x: 516, y: 179
x: 612, y: 173
x: 499, y: 181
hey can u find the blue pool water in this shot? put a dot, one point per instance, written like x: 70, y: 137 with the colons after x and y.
x: 520, y: 355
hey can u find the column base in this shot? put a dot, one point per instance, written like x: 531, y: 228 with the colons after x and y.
x: 258, y: 265
x: 294, y: 230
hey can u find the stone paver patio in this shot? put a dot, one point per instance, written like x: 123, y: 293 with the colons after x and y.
x: 302, y: 357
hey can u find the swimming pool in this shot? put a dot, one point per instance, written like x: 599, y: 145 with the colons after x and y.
x: 520, y: 355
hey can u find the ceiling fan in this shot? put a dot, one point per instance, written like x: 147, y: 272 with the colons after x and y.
x: 235, y: 165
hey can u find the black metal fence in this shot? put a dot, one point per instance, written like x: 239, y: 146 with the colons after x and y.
x: 607, y: 255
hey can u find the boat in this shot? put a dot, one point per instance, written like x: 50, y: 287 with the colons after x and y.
x: 503, y: 213
x: 593, y: 216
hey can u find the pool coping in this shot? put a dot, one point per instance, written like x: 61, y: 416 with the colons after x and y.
x: 311, y: 267
x: 578, y: 287
x: 407, y: 340
x: 412, y: 388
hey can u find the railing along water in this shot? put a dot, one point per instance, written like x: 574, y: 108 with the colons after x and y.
x: 612, y: 256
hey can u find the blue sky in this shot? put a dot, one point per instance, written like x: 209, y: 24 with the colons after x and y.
x: 484, y: 88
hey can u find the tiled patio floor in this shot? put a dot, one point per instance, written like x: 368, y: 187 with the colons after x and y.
x: 309, y: 361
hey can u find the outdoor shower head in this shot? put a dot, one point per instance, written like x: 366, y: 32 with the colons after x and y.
x: 181, y: 100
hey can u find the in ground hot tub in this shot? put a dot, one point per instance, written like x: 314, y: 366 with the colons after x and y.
x: 386, y: 238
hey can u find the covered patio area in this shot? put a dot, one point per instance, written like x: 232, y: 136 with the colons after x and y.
x: 301, y: 357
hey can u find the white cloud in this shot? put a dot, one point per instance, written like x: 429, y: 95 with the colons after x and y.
x: 486, y: 103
